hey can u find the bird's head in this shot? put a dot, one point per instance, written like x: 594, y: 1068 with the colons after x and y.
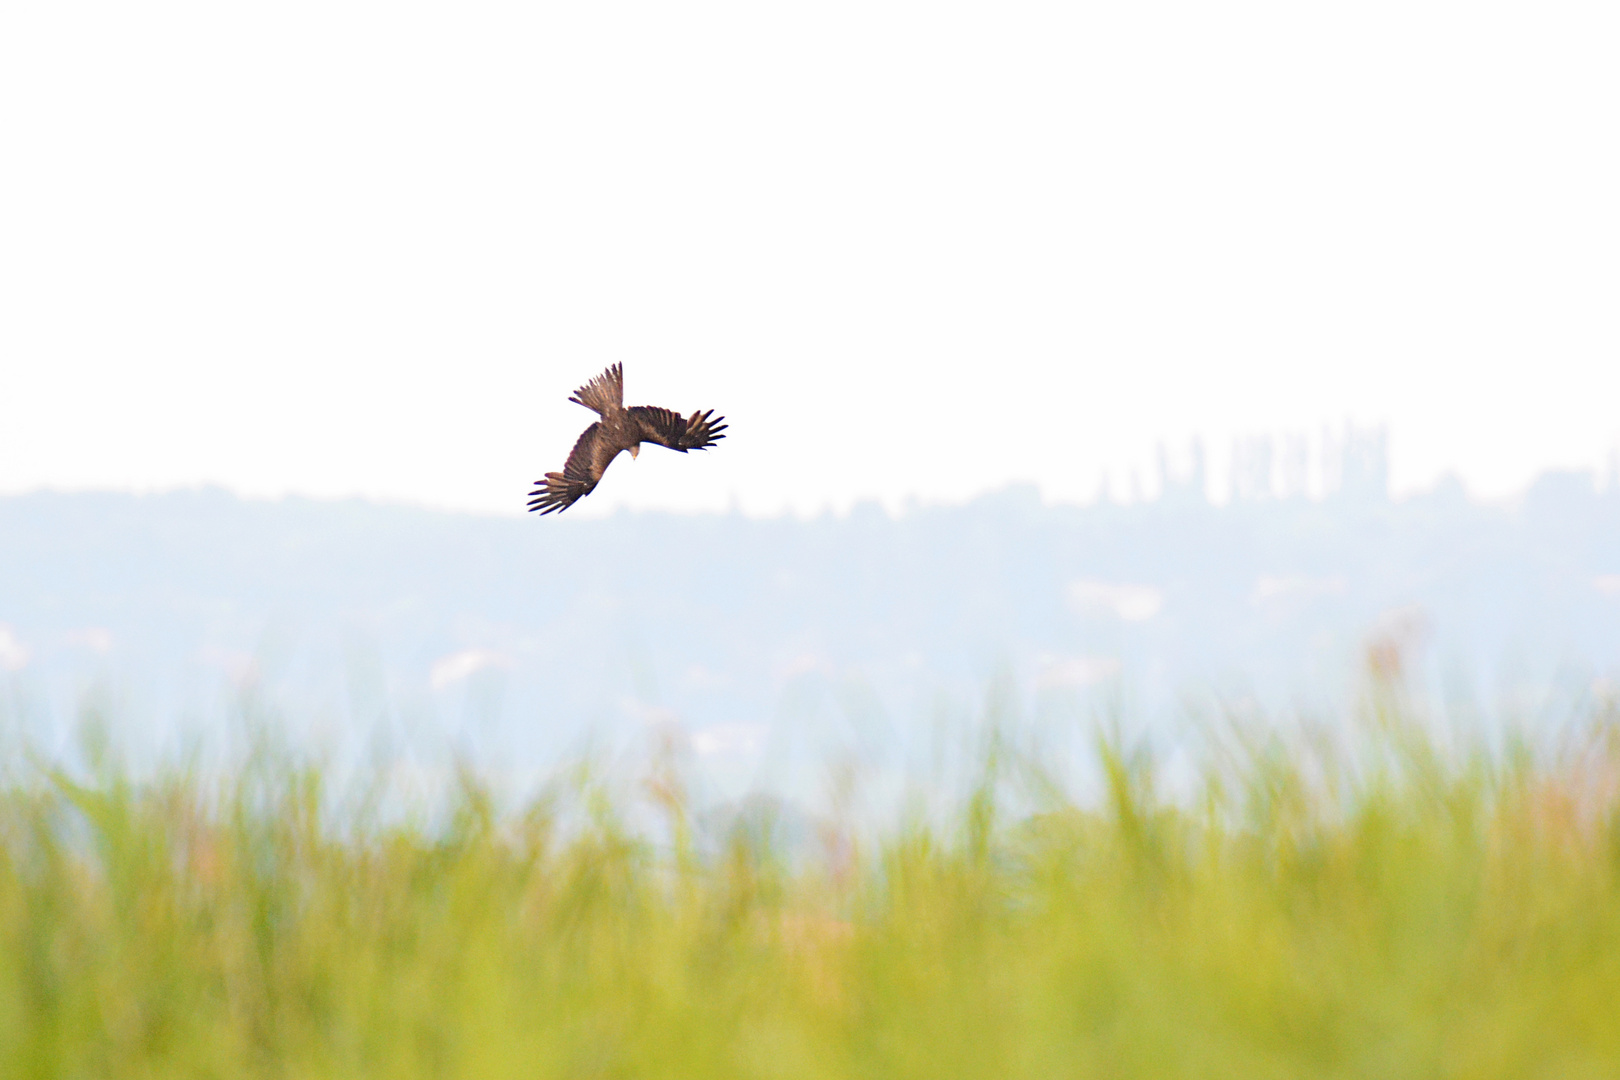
x: 635, y: 450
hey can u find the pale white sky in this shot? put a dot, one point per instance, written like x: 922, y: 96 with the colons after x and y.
x: 909, y: 249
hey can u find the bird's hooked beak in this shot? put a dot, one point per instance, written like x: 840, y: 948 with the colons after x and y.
x: 635, y: 450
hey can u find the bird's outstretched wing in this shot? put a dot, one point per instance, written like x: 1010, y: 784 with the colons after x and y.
x: 605, y: 393
x: 699, y: 431
x: 579, y: 477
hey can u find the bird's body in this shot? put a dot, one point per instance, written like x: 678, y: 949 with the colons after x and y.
x: 619, y: 429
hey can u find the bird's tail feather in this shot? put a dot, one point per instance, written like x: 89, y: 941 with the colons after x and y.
x: 603, y: 393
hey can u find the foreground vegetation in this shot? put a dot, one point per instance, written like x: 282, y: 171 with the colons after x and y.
x: 1390, y: 911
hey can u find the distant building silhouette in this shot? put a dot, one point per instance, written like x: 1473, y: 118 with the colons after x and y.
x: 1183, y: 489
x: 1355, y: 465
x: 1251, y: 468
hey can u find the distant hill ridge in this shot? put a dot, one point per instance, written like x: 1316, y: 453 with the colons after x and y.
x: 759, y: 634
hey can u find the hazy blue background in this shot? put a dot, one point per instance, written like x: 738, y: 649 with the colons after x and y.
x: 768, y: 648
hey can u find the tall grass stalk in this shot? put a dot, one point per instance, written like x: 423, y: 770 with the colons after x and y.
x: 1389, y: 911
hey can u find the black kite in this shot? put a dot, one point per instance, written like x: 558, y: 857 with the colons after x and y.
x: 619, y: 429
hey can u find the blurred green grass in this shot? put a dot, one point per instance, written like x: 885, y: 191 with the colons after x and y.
x: 1393, y: 910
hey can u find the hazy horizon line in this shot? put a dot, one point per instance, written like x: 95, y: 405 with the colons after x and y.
x: 1176, y: 493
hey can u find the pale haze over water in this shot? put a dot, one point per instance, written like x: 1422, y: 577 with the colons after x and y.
x: 770, y: 648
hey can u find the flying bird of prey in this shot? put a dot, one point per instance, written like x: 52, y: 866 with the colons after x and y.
x: 619, y: 429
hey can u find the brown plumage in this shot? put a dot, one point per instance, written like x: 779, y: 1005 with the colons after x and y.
x: 619, y: 429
